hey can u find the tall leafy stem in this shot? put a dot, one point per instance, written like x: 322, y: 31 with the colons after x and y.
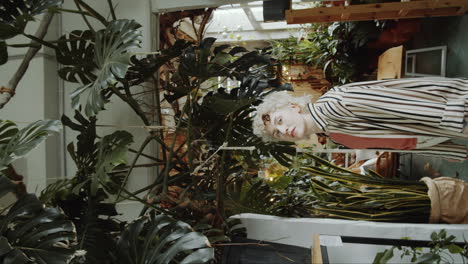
x: 221, y: 188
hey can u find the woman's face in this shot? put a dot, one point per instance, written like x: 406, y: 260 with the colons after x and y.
x: 287, y: 124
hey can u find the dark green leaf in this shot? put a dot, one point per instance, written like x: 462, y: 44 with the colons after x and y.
x: 236, y: 50
x: 35, y: 232
x: 8, y: 31
x: 221, y: 58
x: 428, y: 258
x: 225, y: 106
x: 11, y: 11
x: 76, y: 52
x: 16, y: 257
x: 203, y: 255
x: 6, y: 186
x: 443, y: 234
x: 206, y: 43
x: 454, y: 249
x: 3, y: 52
x: 112, y: 47
x: 160, y: 239
x: 5, y: 247
x: 18, y: 143
x: 220, y: 48
x: 111, y: 152
x: 384, y: 257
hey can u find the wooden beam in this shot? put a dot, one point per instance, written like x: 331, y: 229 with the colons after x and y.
x: 393, y: 10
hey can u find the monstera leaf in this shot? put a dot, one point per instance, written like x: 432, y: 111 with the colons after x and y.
x: 76, y: 52
x: 142, y: 69
x: 160, y: 239
x: 30, y: 233
x: 113, y: 60
x: 14, y: 15
x: 111, y: 152
x: 204, y: 62
x: 15, y: 143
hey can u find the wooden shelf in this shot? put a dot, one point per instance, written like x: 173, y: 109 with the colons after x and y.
x: 380, y: 11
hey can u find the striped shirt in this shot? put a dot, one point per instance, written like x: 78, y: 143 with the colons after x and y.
x: 400, y: 108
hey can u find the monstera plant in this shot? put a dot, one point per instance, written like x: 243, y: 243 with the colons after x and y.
x: 111, y: 54
x: 158, y: 239
x: 30, y: 232
x: 14, y: 16
x: 16, y: 143
x: 195, y: 170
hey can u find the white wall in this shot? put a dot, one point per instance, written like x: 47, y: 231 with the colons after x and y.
x: 117, y: 113
x: 35, y: 99
x: 300, y: 231
x: 41, y: 94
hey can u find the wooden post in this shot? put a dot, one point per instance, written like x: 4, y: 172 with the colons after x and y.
x: 316, y: 251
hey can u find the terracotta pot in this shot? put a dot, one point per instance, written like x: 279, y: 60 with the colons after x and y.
x: 449, y: 200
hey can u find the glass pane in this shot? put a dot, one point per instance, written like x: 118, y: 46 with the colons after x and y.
x: 427, y: 62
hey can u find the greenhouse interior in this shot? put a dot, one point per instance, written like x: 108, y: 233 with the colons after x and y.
x: 233, y: 131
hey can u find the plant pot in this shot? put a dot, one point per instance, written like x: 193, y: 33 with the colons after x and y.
x: 449, y: 200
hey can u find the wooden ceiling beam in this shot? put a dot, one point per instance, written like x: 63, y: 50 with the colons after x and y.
x: 393, y: 10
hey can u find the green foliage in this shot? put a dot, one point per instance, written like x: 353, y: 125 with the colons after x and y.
x: 93, y: 217
x: 348, y: 195
x: 76, y: 52
x: 244, y: 196
x: 338, y: 48
x: 32, y: 233
x: 104, y: 66
x: 85, y: 198
x: 16, y: 143
x: 14, y: 16
x: 440, y: 244
x: 198, y: 63
x: 112, y: 57
x: 143, y: 69
x: 159, y: 239
x: 111, y: 152
x: 211, y: 118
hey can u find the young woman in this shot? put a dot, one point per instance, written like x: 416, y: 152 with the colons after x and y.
x: 415, y: 114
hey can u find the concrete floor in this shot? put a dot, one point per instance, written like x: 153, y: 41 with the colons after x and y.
x: 453, y: 32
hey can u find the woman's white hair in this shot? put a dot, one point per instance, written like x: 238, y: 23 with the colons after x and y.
x: 272, y: 102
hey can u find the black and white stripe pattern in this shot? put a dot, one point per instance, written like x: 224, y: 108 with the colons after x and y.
x: 435, y: 107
